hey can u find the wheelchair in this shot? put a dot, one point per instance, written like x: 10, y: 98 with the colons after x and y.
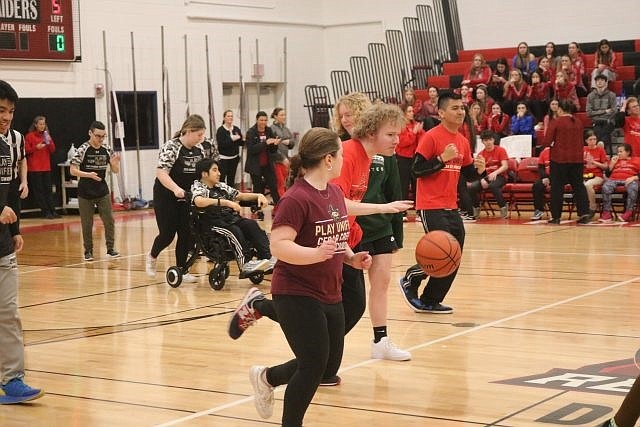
x: 218, y: 249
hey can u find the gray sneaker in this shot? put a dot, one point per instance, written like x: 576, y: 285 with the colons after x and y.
x: 504, y: 211
x: 537, y: 215
x: 476, y: 212
x: 255, y: 265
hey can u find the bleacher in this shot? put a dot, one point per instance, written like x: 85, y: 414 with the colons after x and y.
x: 628, y: 68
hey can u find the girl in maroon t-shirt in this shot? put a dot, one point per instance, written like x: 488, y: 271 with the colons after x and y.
x: 309, y: 237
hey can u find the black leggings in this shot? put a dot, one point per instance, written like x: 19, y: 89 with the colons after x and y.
x: 172, y: 216
x: 315, y: 333
x: 228, y: 169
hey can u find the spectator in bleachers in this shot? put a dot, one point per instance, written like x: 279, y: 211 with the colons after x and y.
x: 601, y: 108
x: 595, y: 163
x: 541, y: 185
x: 496, y: 161
x: 564, y: 136
x: 409, y: 98
x: 525, y: 61
x: 465, y: 207
x: 405, y: 151
x: 429, y: 114
x: 479, y: 73
x: 538, y: 95
x: 551, y: 55
x: 498, y: 122
x: 551, y: 115
x: 515, y: 90
x: 478, y: 120
x: 604, y: 62
x: 498, y: 79
x: 565, y: 90
x: 576, y: 58
x: 481, y: 95
x: 629, y: 120
x: 623, y: 170
x: 547, y: 72
x: 522, y: 122
x: 466, y: 93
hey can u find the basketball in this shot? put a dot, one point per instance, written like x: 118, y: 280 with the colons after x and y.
x: 438, y: 253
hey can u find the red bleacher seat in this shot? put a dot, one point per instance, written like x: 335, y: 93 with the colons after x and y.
x: 489, y: 54
x: 637, y: 45
x: 450, y: 68
x: 626, y: 72
x: 616, y: 87
x: 589, y: 60
x: 441, y: 82
x: 422, y: 94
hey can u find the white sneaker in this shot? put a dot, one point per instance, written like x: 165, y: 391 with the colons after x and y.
x: 263, y: 398
x: 189, y: 278
x: 255, y: 265
x: 504, y: 211
x: 150, y: 265
x: 272, y: 262
x: 386, y: 349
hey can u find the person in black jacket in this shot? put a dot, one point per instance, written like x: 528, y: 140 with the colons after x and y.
x: 262, y: 149
x: 229, y: 139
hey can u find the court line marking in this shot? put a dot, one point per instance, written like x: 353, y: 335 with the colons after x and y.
x: 416, y: 347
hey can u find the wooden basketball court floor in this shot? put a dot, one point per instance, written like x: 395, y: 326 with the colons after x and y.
x: 545, y: 331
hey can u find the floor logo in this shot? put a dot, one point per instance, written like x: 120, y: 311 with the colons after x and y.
x: 614, y: 377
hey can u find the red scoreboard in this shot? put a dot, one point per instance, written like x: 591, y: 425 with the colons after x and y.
x: 37, y: 29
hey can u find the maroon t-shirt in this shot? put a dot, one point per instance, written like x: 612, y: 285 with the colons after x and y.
x: 316, y: 216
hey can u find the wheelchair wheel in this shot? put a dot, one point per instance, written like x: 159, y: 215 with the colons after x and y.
x: 174, y: 276
x: 227, y: 271
x: 257, y: 278
x: 217, y: 277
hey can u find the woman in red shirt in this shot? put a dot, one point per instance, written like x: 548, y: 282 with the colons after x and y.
x: 479, y: 73
x: 405, y: 150
x: 595, y: 163
x: 39, y: 146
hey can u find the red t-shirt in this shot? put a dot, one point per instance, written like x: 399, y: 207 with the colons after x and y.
x: 353, y: 180
x: 599, y: 155
x: 632, y: 134
x: 408, y: 140
x: 625, y: 168
x: 493, y: 159
x: 440, y: 190
x: 316, y: 216
x: 544, y: 159
x: 38, y: 160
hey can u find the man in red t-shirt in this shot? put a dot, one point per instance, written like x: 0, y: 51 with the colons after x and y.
x: 629, y: 120
x: 442, y: 155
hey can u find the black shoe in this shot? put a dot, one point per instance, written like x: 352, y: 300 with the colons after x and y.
x: 331, y: 381
x: 88, y: 256
x: 554, y: 221
x: 56, y: 215
x: 113, y: 253
x: 410, y: 293
x: 435, y: 308
x: 48, y: 215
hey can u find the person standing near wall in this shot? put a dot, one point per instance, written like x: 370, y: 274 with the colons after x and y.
x: 39, y: 147
x: 262, y: 146
x: 287, y: 142
x: 12, y: 386
x: 229, y: 138
x: 90, y: 165
x: 175, y: 173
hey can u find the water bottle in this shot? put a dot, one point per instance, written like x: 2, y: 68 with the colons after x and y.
x: 71, y: 153
x: 47, y: 138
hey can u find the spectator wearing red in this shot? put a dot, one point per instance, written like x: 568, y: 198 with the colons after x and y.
x: 498, y: 79
x: 409, y: 98
x: 478, y: 120
x: 628, y: 118
x: 564, y: 136
x: 538, y: 94
x: 551, y: 55
x: 515, y: 90
x: 604, y: 62
x: 481, y: 95
x: 429, y: 114
x: 479, y: 73
x: 405, y: 150
x: 565, y: 90
x: 38, y: 147
x: 498, y: 122
x: 466, y: 93
x: 546, y: 71
x: 595, y: 163
x: 578, y: 63
x: 624, y: 170
x: 551, y: 115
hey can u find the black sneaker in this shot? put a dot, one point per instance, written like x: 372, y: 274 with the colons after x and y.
x: 554, y: 221
x: 436, y: 308
x: 410, y: 293
x: 331, y: 381
x: 88, y: 256
x: 113, y: 253
x: 586, y: 219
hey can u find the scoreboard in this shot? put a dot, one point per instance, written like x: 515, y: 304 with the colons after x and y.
x: 37, y: 30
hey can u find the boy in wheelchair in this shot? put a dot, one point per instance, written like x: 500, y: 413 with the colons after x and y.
x: 219, y: 208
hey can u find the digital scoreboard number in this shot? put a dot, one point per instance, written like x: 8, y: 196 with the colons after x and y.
x: 36, y: 29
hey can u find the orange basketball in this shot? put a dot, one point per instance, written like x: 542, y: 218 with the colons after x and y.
x: 438, y: 253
